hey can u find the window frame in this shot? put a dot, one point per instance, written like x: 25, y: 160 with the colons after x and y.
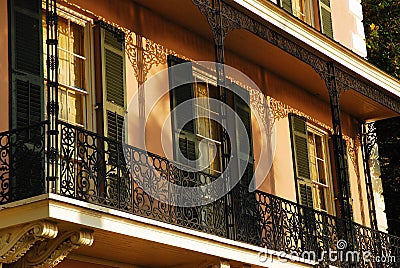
x: 329, y: 189
x: 86, y: 92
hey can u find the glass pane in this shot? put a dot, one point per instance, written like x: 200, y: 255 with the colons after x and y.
x: 322, y: 201
x: 204, y: 153
x: 63, y: 33
x: 319, y: 197
x: 75, y: 107
x: 311, y: 144
x: 311, y: 157
x: 77, y: 72
x: 63, y: 103
x: 203, y: 127
x: 213, y: 93
x: 321, y: 171
x: 319, y: 147
x: 214, y: 128
x: 201, y: 90
x: 63, y: 70
x: 215, y: 164
x: 77, y: 39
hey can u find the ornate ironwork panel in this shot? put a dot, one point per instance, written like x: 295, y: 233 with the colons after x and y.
x: 22, y: 163
x: 346, y: 81
x: 102, y: 171
x: 93, y: 169
x: 377, y: 245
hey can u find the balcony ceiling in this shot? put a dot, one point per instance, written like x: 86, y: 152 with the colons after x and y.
x: 253, y: 49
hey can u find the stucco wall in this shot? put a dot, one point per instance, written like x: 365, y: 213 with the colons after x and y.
x: 280, y: 180
x: 348, y: 28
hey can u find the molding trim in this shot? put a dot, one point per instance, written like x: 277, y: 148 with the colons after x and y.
x: 16, y: 241
x: 51, y: 252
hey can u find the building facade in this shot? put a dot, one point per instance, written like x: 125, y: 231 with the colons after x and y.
x: 118, y: 115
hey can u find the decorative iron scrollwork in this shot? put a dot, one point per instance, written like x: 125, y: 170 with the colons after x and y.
x: 346, y: 81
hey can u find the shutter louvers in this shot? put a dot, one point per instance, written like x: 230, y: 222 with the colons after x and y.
x: 115, y: 126
x: 27, y: 43
x: 114, y: 72
x: 287, y: 5
x: 112, y: 79
x: 326, y: 18
x: 26, y: 61
x: 298, y: 131
x: 179, y: 93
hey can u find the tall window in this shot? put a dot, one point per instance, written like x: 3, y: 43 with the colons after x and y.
x: 319, y: 168
x: 311, y: 165
x: 207, y: 129
x: 72, y: 68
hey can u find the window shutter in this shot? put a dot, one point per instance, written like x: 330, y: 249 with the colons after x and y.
x: 26, y: 63
x: 186, y: 139
x: 246, y: 218
x: 326, y: 17
x: 243, y: 111
x: 113, y: 93
x: 287, y: 5
x: 298, y: 131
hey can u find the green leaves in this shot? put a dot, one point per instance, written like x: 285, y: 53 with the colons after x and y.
x: 382, y: 33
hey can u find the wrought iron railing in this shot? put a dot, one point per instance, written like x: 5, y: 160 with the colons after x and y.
x: 22, y: 163
x: 98, y: 170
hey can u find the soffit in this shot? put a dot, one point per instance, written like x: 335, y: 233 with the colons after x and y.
x: 251, y: 48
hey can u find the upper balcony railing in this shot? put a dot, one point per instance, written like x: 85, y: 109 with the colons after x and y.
x: 95, y: 169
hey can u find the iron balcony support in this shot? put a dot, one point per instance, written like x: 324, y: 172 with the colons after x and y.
x: 368, y: 140
x: 339, y: 155
x: 52, y: 94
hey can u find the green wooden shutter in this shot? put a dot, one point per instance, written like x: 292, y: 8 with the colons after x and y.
x: 298, y: 133
x: 26, y: 63
x: 243, y: 111
x: 246, y: 218
x: 287, y: 5
x: 326, y: 17
x: 112, y: 42
x: 186, y: 139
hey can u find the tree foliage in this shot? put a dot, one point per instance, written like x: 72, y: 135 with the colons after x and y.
x: 382, y: 32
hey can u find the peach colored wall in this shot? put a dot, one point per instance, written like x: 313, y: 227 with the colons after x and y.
x: 347, y: 25
x: 4, y: 71
x: 280, y: 181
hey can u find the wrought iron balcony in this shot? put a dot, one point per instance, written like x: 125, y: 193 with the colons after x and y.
x: 93, y: 169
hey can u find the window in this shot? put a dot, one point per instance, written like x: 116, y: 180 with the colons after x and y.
x: 207, y: 129
x: 72, y: 67
x: 311, y: 165
x: 304, y: 10
x: 316, y: 13
x: 319, y: 169
x: 200, y: 134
